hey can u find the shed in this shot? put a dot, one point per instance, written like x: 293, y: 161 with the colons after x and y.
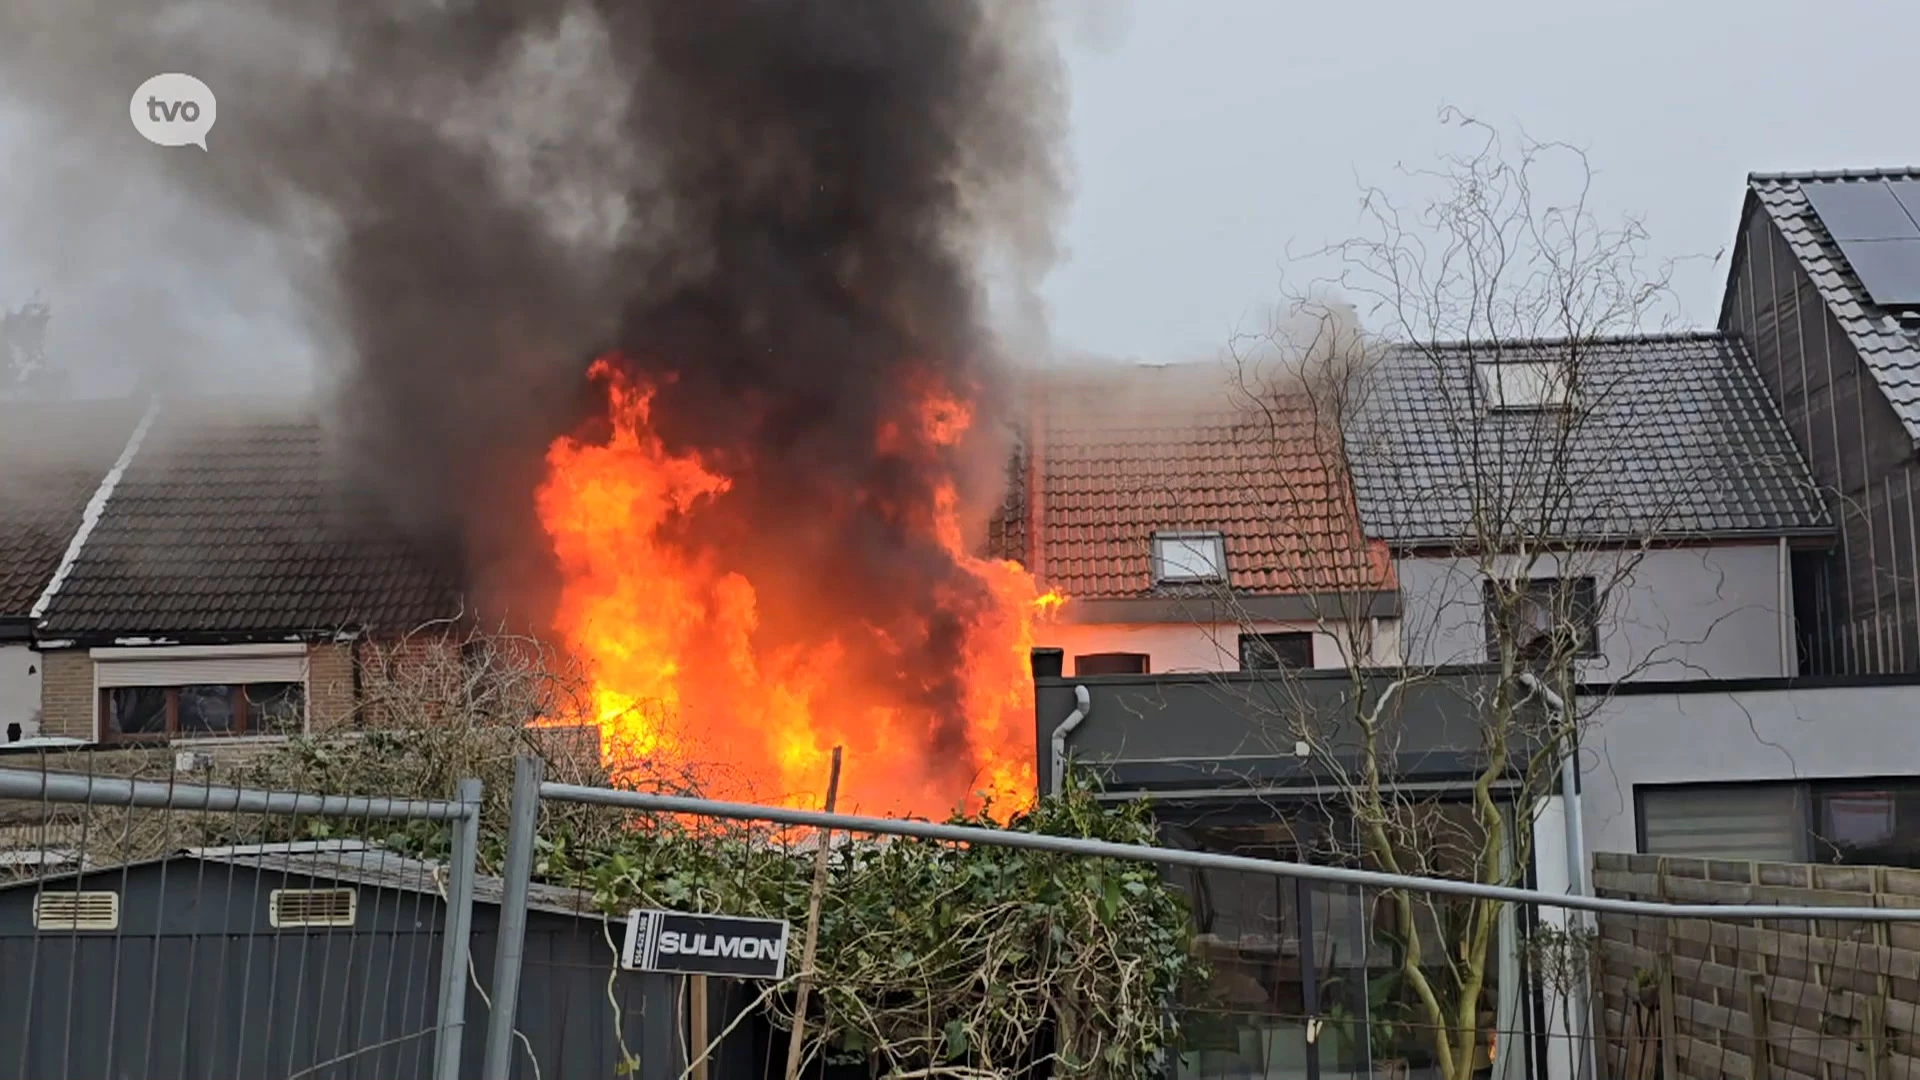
x: 316, y: 958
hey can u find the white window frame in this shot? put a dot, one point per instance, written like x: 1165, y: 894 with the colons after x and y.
x: 1525, y: 385
x: 1164, y: 572
x: 186, y: 665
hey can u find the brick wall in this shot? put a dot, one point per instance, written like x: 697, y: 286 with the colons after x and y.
x: 66, y: 693
x: 330, y: 687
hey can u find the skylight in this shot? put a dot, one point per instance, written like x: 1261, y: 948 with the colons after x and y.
x: 1187, y: 557
x: 1513, y: 385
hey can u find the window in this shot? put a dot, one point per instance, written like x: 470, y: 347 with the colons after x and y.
x: 1533, y: 385
x: 1187, y: 557
x: 156, y: 693
x: 1274, y: 652
x: 1111, y: 663
x: 1548, y: 617
x: 204, y: 710
x: 1848, y: 822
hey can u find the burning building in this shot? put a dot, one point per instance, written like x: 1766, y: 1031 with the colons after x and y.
x: 672, y: 322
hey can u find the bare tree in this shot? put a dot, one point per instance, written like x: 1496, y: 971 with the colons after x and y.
x: 1482, y: 420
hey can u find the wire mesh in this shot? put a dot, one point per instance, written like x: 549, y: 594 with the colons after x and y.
x: 193, y: 941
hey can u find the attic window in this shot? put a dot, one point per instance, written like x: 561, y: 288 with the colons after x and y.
x: 311, y: 907
x: 98, y: 910
x: 1521, y: 386
x: 1189, y: 557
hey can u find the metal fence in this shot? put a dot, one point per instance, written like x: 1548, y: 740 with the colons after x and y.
x: 163, y: 929
x: 1305, y: 948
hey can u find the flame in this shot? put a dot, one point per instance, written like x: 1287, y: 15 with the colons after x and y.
x: 686, y: 675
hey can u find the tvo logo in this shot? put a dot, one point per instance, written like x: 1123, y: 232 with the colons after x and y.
x: 173, y: 110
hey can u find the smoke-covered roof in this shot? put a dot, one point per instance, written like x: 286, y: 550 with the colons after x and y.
x: 52, y: 458
x: 1670, y: 438
x: 232, y: 520
x: 1113, y: 453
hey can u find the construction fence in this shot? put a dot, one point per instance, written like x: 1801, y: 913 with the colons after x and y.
x: 165, y: 929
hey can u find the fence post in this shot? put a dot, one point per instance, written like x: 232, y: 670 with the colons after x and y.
x: 1759, y: 1066
x: 457, y: 934
x: 523, y: 824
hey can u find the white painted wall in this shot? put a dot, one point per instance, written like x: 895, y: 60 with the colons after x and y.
x: 1767, y: 734
x: 1682, y: 613
x: 19, y: 690
x: 1177, y: 647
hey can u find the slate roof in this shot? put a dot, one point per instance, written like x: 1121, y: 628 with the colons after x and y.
x: 230, y: 522
x: 52, y: 457
x: 1888, y: 342
x: 1112, y: 454
x: 1676, y: 438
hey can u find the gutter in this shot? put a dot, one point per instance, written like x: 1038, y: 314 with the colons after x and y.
x: 1083, y: 704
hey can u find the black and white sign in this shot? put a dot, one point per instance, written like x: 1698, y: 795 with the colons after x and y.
x: 683, y: 944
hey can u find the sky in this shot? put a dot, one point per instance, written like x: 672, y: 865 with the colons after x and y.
x: 1210, y: 143
x: 1212, y: 139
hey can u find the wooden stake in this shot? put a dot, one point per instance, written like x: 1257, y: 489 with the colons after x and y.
x: 697, y: 1019
x: 813, y: 927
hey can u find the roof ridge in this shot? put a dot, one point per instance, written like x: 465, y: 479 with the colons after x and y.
x: 1598, y: 339
x: 1887, y: 172
x: 96, y: 509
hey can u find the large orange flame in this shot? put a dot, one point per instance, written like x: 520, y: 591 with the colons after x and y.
x: 685, y: 674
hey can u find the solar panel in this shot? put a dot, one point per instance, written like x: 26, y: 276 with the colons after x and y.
x: 1908, y: 192
x: 1861, y: 211
x: 1880, y: 237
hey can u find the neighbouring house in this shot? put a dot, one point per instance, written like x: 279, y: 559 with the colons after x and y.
x: 221, y: 586
x: 304, y: 957
x: 1191, y: 528
x: 1824, y: 290
x: 1824, y: 294
x: 53, y: 458
x: 1655, y: 471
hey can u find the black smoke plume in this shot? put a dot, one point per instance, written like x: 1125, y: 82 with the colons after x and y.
x: 777, y: 209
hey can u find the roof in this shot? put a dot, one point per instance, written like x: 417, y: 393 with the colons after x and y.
x: 1888, y: 343
x: 1115, y: 453
x: 353, y: 861
x: 231, y: 520
x: 52, y: 457
x: 1676, y: 438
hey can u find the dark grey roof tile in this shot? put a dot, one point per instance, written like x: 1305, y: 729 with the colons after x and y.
x: 1675, y: 438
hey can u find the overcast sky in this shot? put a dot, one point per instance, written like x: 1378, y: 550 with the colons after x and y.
x: 1208, y: 139
x: 1209, y: 136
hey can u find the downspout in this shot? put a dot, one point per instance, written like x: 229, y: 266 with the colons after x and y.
x: 1576, y: 856
x: 1569, y: 789
x: 1789, y: 662
x: 1083, y: 704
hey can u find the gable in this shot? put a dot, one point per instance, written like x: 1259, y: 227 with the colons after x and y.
x: 1887, y: 340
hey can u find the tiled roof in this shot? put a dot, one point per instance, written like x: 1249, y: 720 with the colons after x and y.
x: 1675, y: 438
x: 52, y: 456
x: 1889, y: 343
x: 1113, y: 454
x: 229, y: 521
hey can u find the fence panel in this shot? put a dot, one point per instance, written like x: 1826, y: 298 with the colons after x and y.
x: 1791, y: 998
x: 162, y: 928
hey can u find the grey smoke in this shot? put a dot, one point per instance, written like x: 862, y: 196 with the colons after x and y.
x: 454, y: 204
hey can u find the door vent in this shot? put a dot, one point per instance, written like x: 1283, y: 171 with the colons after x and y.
x: 312, y: 907
x: 76, y: 911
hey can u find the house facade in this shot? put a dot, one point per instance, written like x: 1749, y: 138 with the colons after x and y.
x: 1191, y: 528
x: 206, y: 579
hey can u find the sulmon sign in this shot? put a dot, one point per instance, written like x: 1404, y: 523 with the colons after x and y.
x: 724, y: 945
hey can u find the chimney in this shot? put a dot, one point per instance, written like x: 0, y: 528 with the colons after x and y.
x: 1049, y: 663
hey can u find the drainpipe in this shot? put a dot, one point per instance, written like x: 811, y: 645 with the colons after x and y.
x: 1576, y: 866
x: 1083, y: 704
x: 1569, y: 790
x: 1789, y: 661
